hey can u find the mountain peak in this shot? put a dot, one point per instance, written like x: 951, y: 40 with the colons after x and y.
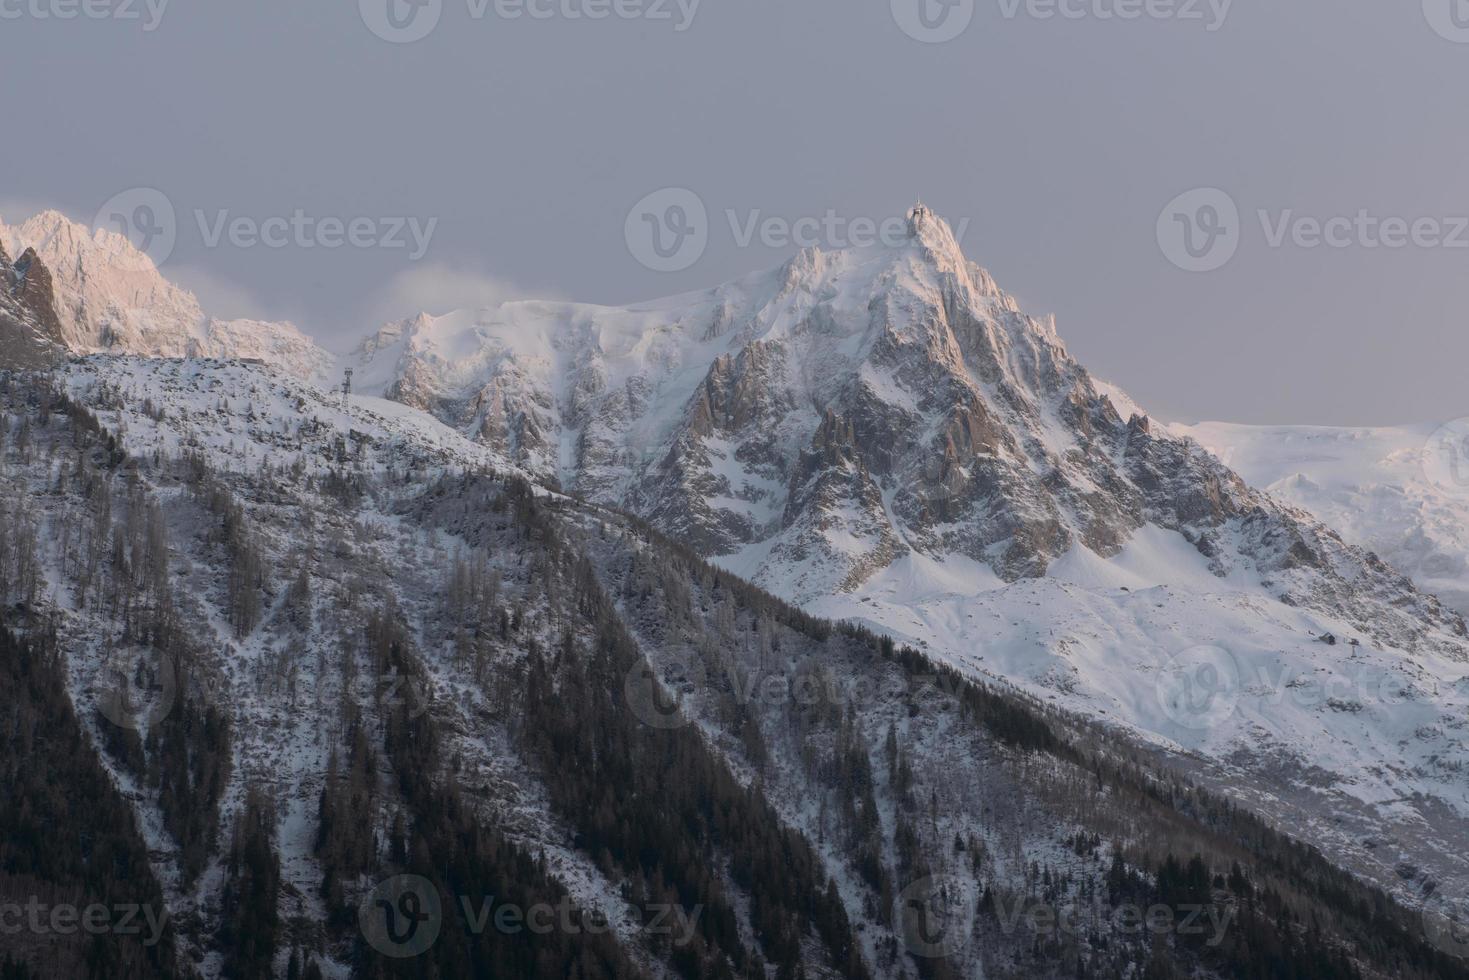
x: 63, y: 241
x: 932, y: 231
x: 110, y: 296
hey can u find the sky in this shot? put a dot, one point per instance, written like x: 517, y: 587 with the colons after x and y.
x: 1109, y: 159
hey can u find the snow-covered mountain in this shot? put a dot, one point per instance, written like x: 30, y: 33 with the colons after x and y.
x: 883, y: 435
x: 1393, y: 490
x: 109, y: 296
x: 355, y: 627
x: 880, y: 435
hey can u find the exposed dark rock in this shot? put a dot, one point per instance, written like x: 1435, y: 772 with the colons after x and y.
x: 30, y: 333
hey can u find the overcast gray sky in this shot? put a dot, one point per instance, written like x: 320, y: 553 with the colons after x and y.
x: 1060, y: 139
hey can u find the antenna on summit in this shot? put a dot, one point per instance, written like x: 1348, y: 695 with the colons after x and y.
x: 347, y: 391
x: 917, y: 218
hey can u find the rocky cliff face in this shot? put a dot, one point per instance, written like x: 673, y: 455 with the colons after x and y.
x: 30, y: 331
x: 108, y: 296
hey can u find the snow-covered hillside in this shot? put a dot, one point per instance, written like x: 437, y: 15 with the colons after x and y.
x: 111, y: 297
x: 409, y: 649
x: 242, y: 417
x: 1392, y: 489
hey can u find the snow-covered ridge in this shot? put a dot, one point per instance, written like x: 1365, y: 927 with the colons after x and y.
x: 110, y: 297
x: 596, y: 398
x: 1380, y: 487
x: 243, y: 417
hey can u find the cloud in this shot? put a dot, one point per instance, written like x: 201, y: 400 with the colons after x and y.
x: 438, y: 289
x: 219, y: 297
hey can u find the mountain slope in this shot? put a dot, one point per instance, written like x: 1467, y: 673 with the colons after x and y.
x: 1392, y: 490
x: 882, y: 435
x: 110, y: 296
x: 816, y: 423
x: 320, y: 648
